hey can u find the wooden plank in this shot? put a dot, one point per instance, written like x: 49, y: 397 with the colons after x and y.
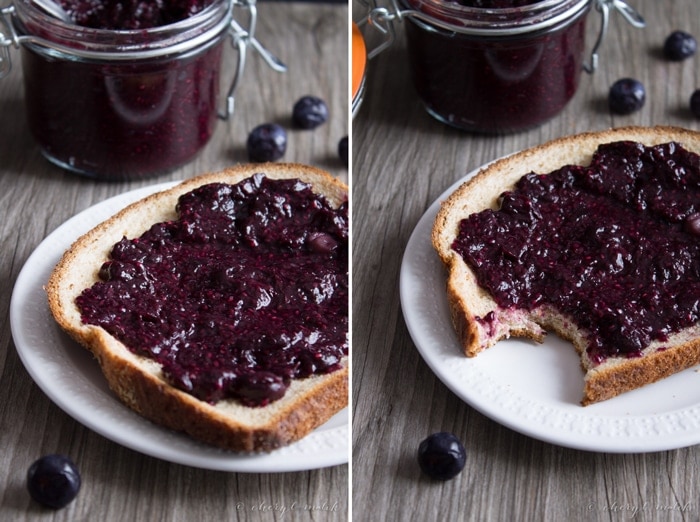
x: 36, y: 197
x: 403, y: 160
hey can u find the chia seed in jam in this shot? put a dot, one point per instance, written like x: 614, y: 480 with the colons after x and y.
x: 245, y: 291
x: 613, y: 245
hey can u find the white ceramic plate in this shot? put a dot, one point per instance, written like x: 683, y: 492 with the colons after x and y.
x: 71, y: 378
x: 535, y: 389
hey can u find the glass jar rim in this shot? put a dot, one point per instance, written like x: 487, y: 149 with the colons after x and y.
x: 39, y: 29
x: 451, y: 15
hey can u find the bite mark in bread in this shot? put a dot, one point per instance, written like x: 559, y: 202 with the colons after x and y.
x: 481, y: 323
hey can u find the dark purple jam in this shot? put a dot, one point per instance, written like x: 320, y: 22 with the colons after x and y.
x: 118, y: 119
x: 131, y: 14
x: 496, y: 84
x: 612, y: 245
x: 122, y: 121
x: 245, y: 291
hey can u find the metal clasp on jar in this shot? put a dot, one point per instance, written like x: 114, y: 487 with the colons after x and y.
x: 241, y: 39
x: 604, y: 7
x: 5, y: 42
x: 382, y: 20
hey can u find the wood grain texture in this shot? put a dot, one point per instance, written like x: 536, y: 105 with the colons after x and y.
x: 36, y: 197
x: 402, y: 161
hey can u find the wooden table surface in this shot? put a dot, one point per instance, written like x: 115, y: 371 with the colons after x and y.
x: 402, y: 161
x: 36, y: 197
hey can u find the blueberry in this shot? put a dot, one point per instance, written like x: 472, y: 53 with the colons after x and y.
x: 680, y: 45
x: 695, y: 103
x: 267, y: 142
x: 441, y: 456
x: 259, y: 388
x: 626, y: 96
x: 53, y: 481
x: 692, y: 223
x: 309, y: 112
x: 322, y: 243
x: 343, y: 150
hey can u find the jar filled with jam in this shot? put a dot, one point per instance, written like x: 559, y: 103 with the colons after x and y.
x: 119, y: 94
x: 497, y: 66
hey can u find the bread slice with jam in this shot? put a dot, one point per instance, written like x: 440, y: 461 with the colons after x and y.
x: 139, y: 381
x: 481, y: 321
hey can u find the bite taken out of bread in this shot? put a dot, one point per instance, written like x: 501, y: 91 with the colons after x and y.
x: 480, y: 321
x: 140, y: 382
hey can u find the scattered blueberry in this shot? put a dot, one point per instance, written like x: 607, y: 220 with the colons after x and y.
x: 343, y: 150
x: 680, y: 45
x: 53, y: 481
x: 267, y: 142
x: 695, y: 103
x: 626, y: 96
x: 692, y: 223
x: 322, y: 243
x: 309, y: 112
x: 441, y: 456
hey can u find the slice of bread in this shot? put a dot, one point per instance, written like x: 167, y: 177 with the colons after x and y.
x: 139, y: 382
x: 481, y: 323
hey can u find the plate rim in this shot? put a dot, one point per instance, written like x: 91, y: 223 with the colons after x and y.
x: 418, y: 241
x: 28, y: 288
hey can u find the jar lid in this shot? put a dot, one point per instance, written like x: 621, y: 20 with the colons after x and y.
x: 359, y: 64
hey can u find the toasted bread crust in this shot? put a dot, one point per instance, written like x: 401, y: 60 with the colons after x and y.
x: 622, y: 375
x: 138, y: 382
x: 470, y: 304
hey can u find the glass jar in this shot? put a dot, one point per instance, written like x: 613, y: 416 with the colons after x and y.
x: 121, y: 104
x: 499, y: 69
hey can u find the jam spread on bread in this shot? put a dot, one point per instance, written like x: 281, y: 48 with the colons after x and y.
x: 246, y: 290
x: 614, y: 246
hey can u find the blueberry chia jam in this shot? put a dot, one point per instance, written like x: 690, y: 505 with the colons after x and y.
x: 496, y: 65
x: 244, y: 291
x: 126, y: 92
x: 614, y: 245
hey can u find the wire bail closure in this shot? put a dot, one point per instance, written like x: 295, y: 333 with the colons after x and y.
x: 381, y: 19
x: 5, y: 42
x: 604, y: 7
x: 241, y: 39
